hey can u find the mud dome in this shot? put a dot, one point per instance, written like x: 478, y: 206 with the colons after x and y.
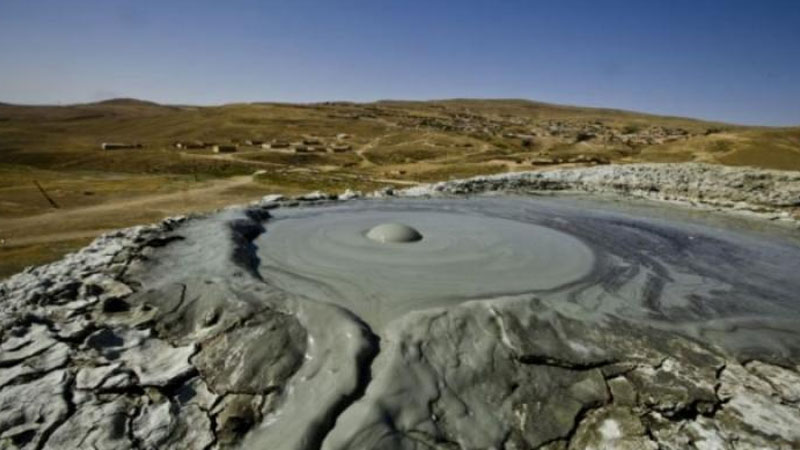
x: 393, y: 233
x: 734, y: 288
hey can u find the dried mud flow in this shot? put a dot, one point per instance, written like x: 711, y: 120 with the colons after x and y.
x: 516, y: 321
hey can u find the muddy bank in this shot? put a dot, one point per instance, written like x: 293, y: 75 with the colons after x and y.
x: 769, y: 194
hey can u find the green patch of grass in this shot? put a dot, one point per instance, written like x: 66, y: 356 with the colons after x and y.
x: 631, y: 128
x: 301, y: 159
x: 455, y: 171
x: 720, y: 146
x: 402, y: 154
x: 307, y: 181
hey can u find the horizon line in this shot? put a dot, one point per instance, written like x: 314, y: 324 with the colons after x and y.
x: 410, y: 100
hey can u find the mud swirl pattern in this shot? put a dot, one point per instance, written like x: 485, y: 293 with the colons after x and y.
x: 705, y: 281
x: 460, y: 257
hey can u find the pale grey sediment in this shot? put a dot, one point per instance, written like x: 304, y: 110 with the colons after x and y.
x: 581, y: 322
x: 772, y: 194
x: 464, y: 255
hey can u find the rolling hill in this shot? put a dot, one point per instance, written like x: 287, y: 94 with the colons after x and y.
x: 336, y: 145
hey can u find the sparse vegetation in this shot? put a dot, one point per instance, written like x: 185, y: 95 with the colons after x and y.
x: 390, y: 142
x: 720, y: 146
x: 631, y: 129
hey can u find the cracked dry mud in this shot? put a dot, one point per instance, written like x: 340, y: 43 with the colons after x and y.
x: 248, y: 329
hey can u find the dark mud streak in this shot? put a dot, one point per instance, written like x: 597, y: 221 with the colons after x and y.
x: 364, y: 362
x: 704, y: 255
x: 71, y: 409
x: 244, y: 254
x: 563, y: 364
x: 243, y: 232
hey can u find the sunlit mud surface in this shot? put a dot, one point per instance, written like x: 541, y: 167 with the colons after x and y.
x: 514, y: 316
x: 463, y: 255
x: 709, y: 281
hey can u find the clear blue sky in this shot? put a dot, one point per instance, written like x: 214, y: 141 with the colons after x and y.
x: 731, y: 60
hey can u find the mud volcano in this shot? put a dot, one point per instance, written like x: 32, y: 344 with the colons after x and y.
x: 503, y: 321
x: 464, y: 255
x: 561, y: 287
x: 673, y: 274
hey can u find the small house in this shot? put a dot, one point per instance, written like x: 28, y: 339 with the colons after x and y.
x: 338, y: 148
x: 190, y: 145
x: 301, y: 148
x: 224, y: 148
x: 118, y: 146
x: 277, y: 144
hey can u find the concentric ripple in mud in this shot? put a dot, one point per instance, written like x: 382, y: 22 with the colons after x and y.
x: 462, y: 256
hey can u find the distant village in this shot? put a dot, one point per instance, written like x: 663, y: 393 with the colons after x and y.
x: 542, y: 141
x: 308, y: 144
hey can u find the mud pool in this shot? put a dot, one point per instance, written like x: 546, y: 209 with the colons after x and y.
x: 735, y: 287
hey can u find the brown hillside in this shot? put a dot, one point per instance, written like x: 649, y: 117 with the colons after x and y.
x: 387, y: 143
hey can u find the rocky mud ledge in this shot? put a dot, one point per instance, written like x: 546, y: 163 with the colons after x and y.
x: 767, y: 194
x: 126, y: 344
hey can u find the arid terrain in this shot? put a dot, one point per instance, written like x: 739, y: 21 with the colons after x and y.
x: 291, y: 148
x: 572, y: 278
